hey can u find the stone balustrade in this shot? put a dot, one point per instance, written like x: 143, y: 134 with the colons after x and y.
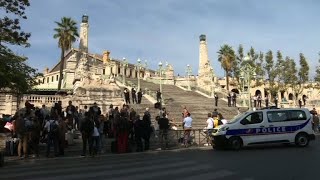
x: 39, y: 100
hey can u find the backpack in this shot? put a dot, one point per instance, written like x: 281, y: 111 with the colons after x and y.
x: 28, y: 124
x: 53, y: 127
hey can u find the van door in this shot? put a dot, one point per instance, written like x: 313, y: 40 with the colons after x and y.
x: 249, y: 128
x: 283, y: 125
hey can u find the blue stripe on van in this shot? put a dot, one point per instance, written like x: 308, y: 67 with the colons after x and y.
x: 266, y: 130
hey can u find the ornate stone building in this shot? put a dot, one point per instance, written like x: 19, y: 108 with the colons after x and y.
x: 89, y: 78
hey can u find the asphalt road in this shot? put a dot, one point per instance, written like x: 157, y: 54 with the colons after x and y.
x: 260, y: 163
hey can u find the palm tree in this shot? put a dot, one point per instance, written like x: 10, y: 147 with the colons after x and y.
x: 226, y: 58
x: 66, y: 33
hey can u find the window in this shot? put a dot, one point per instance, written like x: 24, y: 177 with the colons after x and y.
x: 277, y: 116
x: 47, y: 79
x: 103, y: 71
x: 281, y: 116
x: 52, y: 79
x: 297, y: 115
x: 253, y: 118
x: 57, y: 78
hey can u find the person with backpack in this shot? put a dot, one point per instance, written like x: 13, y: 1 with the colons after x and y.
x: 52, y: 129
x: 23, y: 126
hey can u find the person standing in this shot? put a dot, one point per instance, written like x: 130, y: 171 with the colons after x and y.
x: 147, y: 129
x: 62, y: 135
x: 255, y: 101
x: 86, y: 129
x: 122, y: 129
x: 276, y: 101
x: 304, y: 98
x: 209, y: 128
x: 126, y: 96
x: 158, y: 96
x: 163, y: 131
x: 70, y: 110
x: 187, y: 127
x: 300, y: 103
x: 139, y: 96
x: 234, y: 100
x: 315, y: 122
x: 52, y: 129
x: 134, y: 96
x: 229, y: 100
x: 259, y: 101
x: 216, y: 100
x: 267, y: 101
x: 94, y: 144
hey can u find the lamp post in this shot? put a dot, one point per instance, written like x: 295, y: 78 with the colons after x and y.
x: 212, y: 82
x: 124, y: 65
x: 189, y: 72
x: 247, y: 72
x: 161, y: 73
x: 139, y: 66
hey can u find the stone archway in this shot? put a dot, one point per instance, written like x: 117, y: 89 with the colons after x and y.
x: 290, y: 96
x: 258, y: 92
x: 235, y: 91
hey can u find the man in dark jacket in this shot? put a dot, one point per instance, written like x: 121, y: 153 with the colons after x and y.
x: 163, y: 131
x: 86, y: 129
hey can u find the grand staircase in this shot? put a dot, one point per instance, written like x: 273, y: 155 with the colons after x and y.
x: 175, y: 98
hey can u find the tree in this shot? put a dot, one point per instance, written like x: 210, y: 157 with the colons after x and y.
x: 227, y: 57
x: 66, y: 33
x: 237, y: 64
x: 290, y: 73
x: 303, y: 75
x: 259, y: 70
x: 317, y: 77
x: 16, y: 76
x: 269, y: 65
x: 279, y: 72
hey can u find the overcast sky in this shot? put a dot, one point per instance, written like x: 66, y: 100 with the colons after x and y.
x: 169, y: 30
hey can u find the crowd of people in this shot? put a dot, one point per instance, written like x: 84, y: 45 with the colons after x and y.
x: 128, y: 130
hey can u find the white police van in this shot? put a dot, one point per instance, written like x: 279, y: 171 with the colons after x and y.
x: 266, y: 126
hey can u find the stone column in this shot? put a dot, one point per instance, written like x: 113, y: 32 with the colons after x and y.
x: 203, y: 55
x: 84, y: 27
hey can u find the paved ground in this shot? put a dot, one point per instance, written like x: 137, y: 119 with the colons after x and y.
x: 264, y: 163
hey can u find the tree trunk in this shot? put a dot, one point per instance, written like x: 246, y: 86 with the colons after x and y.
x: 227, y: 79
x: 61, y: 69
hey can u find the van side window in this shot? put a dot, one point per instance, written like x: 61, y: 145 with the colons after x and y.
x: 253, y: 118
x: 296, y: 115
x: 277, y: 116
x: 281, y: 116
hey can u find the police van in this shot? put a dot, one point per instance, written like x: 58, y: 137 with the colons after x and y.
x: 266, y: 126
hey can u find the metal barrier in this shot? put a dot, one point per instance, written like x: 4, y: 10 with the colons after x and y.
x: 175, y: 138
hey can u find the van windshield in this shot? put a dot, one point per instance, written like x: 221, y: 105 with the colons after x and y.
x: 237, y: 118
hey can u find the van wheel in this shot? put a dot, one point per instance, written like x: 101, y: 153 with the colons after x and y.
x: 235, y: 143
x: 302, y: 140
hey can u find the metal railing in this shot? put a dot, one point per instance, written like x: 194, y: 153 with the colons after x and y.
x: 175, y: 138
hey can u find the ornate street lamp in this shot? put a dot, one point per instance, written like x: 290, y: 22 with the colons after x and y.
x: 212, y: 81
x: 189, y: 72
x: 160, y: 75
x: 124, y: 65
x: 247, y: 72
x: 139, y: 67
